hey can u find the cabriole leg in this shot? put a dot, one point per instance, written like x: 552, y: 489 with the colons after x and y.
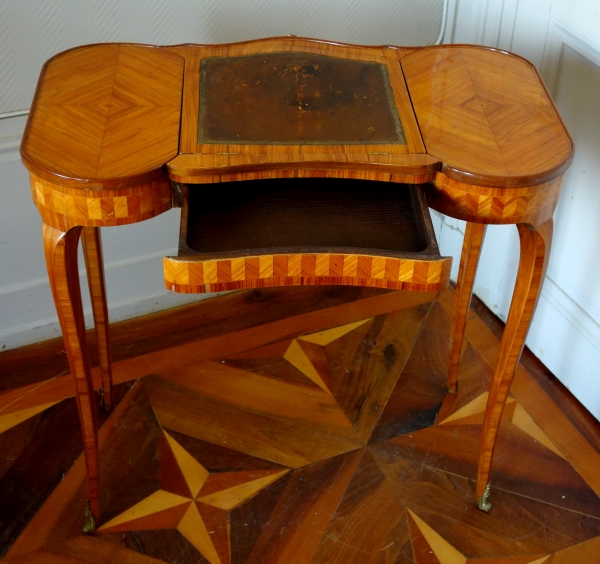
x: 61, y: 260
x: 94, y: 264
x: 469, y: 260
x: 535, y: 250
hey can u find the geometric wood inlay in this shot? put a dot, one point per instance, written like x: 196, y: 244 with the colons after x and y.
x: 164, y: 509
x: 237, y: 457
x: 230, y: 498
x: 130, y: 130
x: 476, y: 406
x: 323, y: 338
x: 267, y: 437
x: 195, y: 475
x: 11, y: 419
x: 193, y: 528
x: 312, y: 355
x: 533, y: 204
x: 298, y: 358
x: 444, y: 551
x: 525, y: 422
x: 473, y: 412
x: 468, y: 126
x: 199, y: 276
x: 64, y: 207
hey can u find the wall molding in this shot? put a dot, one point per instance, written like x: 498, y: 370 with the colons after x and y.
x: 567, y: 341
x: 576, y: 315
x: 558, y: 36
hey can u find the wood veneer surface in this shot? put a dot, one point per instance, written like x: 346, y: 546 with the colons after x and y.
x: 342, y: 447
x: 486, y: 115
x: 113, y: 115
x: 105, y: 112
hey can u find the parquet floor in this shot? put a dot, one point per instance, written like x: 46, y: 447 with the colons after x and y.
x: 296, y: 426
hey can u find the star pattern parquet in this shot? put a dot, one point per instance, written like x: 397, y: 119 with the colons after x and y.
x: 193, y: 501
x: 326, y: 446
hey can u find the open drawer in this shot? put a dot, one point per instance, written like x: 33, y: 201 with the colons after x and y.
x: 305, y: 231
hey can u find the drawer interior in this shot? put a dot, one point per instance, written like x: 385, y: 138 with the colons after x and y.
x: 305, y: 231
x: 305, y: 215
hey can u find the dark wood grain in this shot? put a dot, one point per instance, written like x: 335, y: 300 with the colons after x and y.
x: 367, y: 504
x: 420, y: 390
x: 34, y: 459
x: 304, y: 511
x: 358, y: 534
x: 302, y: 216
x: 517, y: 526
x: 44, y: 458
x: 494, y: 172
x: 161, y: 330
x: 453, y: 448
x: 296, y: 98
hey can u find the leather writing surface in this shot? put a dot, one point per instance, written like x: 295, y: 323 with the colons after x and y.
x: 296, y: 98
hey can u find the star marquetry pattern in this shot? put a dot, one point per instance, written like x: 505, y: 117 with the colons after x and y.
x: 429, y: 547
x: 474, y: 411
x: 9, y: 420
x: 307, y: 353
x: 275, y: 454
x: 193, y: 501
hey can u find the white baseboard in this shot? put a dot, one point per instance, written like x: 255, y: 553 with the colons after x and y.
x: 125, y: 300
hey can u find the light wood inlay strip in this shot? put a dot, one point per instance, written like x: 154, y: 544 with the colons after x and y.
x: 192, y: 276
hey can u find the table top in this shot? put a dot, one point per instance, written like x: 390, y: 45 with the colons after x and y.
x: 115, y: 115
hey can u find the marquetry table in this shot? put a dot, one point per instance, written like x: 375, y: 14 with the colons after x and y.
x: 340, y: 149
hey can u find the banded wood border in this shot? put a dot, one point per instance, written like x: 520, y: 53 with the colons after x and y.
x: 203, y: 168
x: 64, y: 207
x: 313, y: 173
x: 484, y: 204
x: 198, y: 276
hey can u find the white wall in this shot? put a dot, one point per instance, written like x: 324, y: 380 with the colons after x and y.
x: 33, y: 30
x: 561, y: 38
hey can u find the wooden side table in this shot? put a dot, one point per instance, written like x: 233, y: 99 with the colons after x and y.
x: 121, y: 133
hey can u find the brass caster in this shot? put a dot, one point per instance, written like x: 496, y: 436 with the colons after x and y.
x: 90, y: 522
x: 484, y: 504
x: 451, y: 390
